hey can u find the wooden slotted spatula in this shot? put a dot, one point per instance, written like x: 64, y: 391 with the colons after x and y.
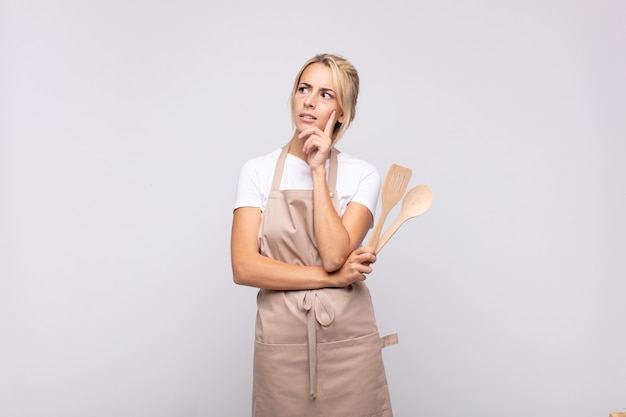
x: 392, y: 191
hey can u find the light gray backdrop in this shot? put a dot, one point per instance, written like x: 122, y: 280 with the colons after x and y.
x: 123, y: 128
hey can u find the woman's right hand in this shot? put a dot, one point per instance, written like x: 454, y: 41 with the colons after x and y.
x: 356, y: 266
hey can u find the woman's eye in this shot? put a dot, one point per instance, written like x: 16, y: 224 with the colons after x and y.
x: 326, y: 95
x: 303, y: 89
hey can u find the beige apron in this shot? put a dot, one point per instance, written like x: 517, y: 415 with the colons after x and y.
x: 317, y: 352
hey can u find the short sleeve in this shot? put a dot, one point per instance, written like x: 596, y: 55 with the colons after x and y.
x: 358, y: 181
x: 254, y: 181
x: 248, y: 187
x: 369, y: 188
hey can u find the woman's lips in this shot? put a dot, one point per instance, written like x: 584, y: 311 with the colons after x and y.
x: 306, y: 116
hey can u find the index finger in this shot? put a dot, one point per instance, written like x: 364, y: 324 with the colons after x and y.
x: 330, y: 125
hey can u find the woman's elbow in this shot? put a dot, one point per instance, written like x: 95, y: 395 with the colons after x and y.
x: 332, y: 265
x: 237, y: 279
x: 239, y: 274
x: 333, y: 261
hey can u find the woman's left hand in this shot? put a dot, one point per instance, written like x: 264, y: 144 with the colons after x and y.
x: 318, y: 143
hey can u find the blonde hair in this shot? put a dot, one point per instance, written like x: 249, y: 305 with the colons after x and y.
x: 346, y: 81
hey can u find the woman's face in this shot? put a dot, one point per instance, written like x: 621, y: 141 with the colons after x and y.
x: 315, y: 98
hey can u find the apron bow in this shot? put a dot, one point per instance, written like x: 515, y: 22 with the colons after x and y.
x: 319, y: 303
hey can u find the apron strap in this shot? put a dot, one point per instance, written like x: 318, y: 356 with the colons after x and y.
x: 318, y: 310
x: 278, y: 171
x: 332, y: 180
x: 390, y: 339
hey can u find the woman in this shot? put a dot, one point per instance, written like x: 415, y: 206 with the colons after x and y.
x: 301, y: 213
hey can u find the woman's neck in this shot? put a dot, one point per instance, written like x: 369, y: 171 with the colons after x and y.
x: 295, y: 147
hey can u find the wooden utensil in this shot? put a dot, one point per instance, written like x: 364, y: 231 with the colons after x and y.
x: 416, y: 201
x: 392, y: 191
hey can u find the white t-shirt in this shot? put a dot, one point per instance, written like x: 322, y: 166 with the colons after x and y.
x: 357, y: 180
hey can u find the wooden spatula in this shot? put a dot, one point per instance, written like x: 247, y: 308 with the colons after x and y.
x: 417, y: 201
x: 392, y: 191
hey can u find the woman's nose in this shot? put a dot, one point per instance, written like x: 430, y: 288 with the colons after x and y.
x: 309, y: 100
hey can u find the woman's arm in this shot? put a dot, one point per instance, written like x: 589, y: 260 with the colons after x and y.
x: 336, y: 236
x: 253, y: 269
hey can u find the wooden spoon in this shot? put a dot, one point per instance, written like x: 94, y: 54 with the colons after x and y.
x: 416, y: 201
x: 393, y: 189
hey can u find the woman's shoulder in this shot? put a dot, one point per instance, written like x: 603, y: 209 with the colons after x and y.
x: 262, y: 162
x: 349, y: 161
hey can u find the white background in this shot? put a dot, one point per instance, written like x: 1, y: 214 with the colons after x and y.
x: 123, y: 128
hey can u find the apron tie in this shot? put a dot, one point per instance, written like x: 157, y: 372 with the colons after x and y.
x: 318, y: 308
